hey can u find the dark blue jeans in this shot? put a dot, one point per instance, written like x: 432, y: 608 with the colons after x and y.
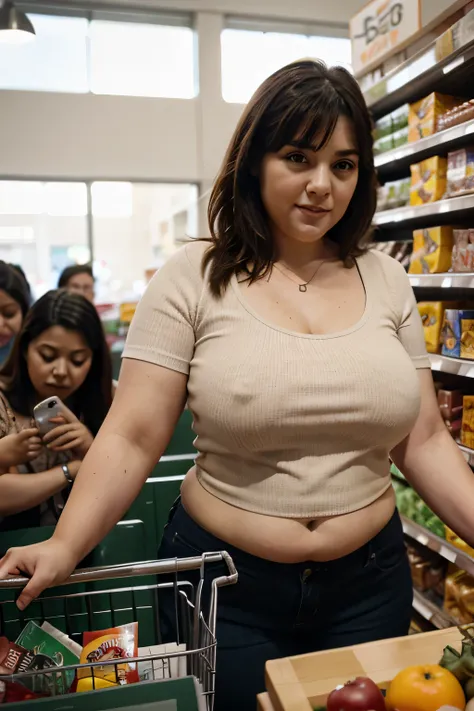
x: 278, y: 610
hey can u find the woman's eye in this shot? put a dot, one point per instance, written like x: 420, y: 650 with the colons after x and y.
x: 9, y: 314
x: 78, y: 364
x: 296, y: 158
x: 345, y: 165
x: 47, y: 358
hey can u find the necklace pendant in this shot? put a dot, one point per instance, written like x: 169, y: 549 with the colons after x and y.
x: 303, y: 287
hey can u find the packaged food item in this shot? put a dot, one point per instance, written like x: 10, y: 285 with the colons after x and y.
x: 459, y: 596
x: 432, y: 250
x: 450, y: 401
x: 463, y: 250
x: 39, y: 641
x: 454, y: 539
x: 400, y: 137
x: 432, y: 313
x: 459, y: 114
x: 383, y: 144
x: 467, y: 430
x: 423, y: 115
x: 428, y: 180
x: 460, y: 172
x: 383, y: 127
x: 467, y: 336
x: 455, y: 37
x: 10, y: 692
x: 451, y: 336
x: 399, y: 118
x: 114, y: 644
x: 426, y: 574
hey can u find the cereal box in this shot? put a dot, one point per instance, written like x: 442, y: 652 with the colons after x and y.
x: 432, y: 250
x: 428, y: 180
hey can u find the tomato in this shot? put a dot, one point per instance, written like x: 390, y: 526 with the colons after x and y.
x: 424, y: 688
x: 357, y: 695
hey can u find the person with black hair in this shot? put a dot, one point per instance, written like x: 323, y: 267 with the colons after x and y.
x: 60, y: 351
x: 15, y: 298
x: 79, y: 279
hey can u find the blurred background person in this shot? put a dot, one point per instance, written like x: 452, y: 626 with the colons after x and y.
x: 15, y: 299
x: 78, y: 279
x: 60, y: 351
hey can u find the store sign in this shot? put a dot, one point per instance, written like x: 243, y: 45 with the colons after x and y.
x: 380, y: 27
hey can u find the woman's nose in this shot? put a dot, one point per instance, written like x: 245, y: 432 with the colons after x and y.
x: 319, y: 183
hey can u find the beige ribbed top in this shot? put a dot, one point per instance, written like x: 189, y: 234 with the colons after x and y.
x: 287, y: 424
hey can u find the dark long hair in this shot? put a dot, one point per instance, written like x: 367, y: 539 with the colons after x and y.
x: 73, y: 271
x: 303, y: 100
x: 13, y: 282
x: 73, y: 312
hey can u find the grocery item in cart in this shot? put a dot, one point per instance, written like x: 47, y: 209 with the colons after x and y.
x: 40, y: 641
x: 423, y: 115
x: 11, y: 691
x: 428, y: 180
x: 432, y: 250
x: 110, y: 645
x: 463, y: 250
x: 460, y: 172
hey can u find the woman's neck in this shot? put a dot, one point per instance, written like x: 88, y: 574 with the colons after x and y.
x: 300, y: 255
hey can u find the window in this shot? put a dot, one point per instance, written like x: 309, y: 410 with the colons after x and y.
x: 133, y: 59
x: 112, y: 199
x: 55, y: 61
x: 75, y: 55
x: 249, y: 57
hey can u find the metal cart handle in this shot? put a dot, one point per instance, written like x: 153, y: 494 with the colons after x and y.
x: 153, y: 567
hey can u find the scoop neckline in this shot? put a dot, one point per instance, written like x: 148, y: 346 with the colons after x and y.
x: 311, y: 336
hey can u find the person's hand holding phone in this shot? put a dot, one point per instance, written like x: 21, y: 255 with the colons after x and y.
x: 68, y: 433
x: 20, y: 447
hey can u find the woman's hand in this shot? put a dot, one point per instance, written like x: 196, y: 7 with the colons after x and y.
x: 70, y: 433
x: 20, y: 447
x: 48, y: 563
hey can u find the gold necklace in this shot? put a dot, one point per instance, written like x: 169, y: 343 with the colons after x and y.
x: 303, y: 287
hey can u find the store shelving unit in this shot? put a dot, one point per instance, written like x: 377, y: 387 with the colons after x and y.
x: 431, y: 612
x: 416, y: 78
x: 430, y: 540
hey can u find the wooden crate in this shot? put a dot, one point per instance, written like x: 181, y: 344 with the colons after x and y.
x: 303, y: 683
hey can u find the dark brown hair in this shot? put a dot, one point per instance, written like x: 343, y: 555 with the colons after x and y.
x: 73, y: 312
x: 301, y: 101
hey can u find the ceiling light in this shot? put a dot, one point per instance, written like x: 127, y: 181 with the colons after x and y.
x: 15, y: 27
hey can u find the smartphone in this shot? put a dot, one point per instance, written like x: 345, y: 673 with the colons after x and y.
x: 44, y: 411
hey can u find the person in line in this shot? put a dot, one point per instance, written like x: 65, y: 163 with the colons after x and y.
x: 61, y: 352
x: 78, y: 279
x: 301, y: 355
x: 15, y: 299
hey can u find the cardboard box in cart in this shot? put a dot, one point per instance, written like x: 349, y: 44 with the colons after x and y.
x: 304, y: 682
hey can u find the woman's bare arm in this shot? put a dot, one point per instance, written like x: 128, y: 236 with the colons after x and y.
x: 20, y: 492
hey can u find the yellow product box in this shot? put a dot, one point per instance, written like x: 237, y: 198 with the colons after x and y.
x: 428, y: 180
x: 467, y: 429
x: 454, y: 539
x: 423, y: 115
x: 127, y: 311
x: 432, y: 315
x: 432, y: 250
x: 467, y: 338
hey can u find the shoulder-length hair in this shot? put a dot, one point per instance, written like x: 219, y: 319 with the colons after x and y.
x: 302, y: 101
x: 73, y: 312
x: 13, y: 282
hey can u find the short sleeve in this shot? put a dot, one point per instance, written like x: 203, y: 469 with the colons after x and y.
x: 409, y: 326
x: 162, y: 329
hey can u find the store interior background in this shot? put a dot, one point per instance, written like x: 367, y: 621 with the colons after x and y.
x: 112, y: 130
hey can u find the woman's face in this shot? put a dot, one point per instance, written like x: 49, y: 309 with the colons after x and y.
x: 58, y: 362
x: 11, y: 318
x: 82, y: 284
x: 305, y: 193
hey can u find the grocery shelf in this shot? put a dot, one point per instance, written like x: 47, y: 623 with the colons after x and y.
x: 454, y: 366
x: 399, y: 216
x: 468, y: 454
x: 443, y: 141
x: 448, y: 280
x: 420, y: 75
x: 438, y: 545
x: 431, y: 612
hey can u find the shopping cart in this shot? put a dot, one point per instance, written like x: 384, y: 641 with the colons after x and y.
x: 91, y: 607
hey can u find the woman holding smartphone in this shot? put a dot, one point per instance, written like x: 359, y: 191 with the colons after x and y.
x: 60, y: 355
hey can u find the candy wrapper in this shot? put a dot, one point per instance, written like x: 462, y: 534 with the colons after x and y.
x: 113, y: 644
x: 15, y: 659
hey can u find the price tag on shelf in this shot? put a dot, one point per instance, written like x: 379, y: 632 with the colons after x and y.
x: 414, y: 281
x: 423, y: 539
x: 469, y: 129
x: 447, y: 553
x: 447, y: 282
x: 422, y: 609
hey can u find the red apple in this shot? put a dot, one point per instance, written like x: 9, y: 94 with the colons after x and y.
x: 361, y: 694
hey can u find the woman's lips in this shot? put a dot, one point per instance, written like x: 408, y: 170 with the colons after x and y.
x: 313, y: 211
